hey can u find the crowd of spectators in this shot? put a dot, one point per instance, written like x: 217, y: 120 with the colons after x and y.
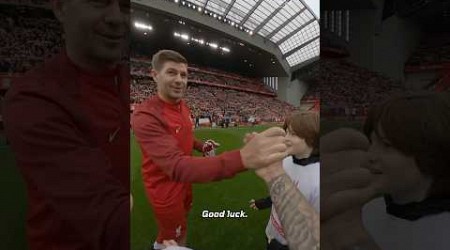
x: 342, y: 82
x: 27, y: 38
x: 230, y: 79
x: 347, y: 89
x: 218, y: 103
x: 40, y: 3
x: 141, y: 67
x: 239, y: 105
x: 434, y: 49
x: 30, y: 34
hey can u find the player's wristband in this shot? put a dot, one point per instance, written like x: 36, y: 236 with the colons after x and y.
x: 263, y: 203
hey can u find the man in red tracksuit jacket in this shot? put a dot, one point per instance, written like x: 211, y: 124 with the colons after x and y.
x: 164, y: 131
x: 68, y: 125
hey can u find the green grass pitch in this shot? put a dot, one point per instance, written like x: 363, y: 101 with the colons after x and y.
x: 13, y: 208
x: 232, y: 194
x: 204, y: 234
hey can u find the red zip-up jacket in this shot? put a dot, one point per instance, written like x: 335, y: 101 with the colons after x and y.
x: 165, y: 134
x: 69, y: 132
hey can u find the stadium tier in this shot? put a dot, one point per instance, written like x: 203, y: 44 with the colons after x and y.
x: 216, y: 94
x: 342, y: 83
x: 26, y: 38
x: 346, y: 89
x: 432, y: 51
x: 432, y: 57
x: 208, y: 76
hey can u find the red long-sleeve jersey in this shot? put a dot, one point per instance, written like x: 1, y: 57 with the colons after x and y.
x: 69, y: 131
x: 165, y: 134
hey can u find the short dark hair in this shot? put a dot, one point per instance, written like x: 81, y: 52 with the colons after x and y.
x: 163, y: 56
x: 418, y: 125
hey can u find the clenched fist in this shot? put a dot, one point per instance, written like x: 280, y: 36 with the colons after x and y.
x: 347, y: 183
x: 346, y: 178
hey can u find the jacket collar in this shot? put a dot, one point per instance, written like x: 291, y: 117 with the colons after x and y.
x: 61, y: 67
x: 416, y: 210
x: 171, y: 105
x: 306, y: 161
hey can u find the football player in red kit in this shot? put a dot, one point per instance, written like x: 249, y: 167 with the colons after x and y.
x: 164, y: 131
x: 68, y: 125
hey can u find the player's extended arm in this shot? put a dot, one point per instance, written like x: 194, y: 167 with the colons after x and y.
x: 74, y: 178
x: 301, y: 222
x: 163, y: 149
x: 155, y: 141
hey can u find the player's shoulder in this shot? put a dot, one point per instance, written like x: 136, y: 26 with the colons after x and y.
x: 184, y: 104
x: 32, y: 80
x: 54, y: 75
x: 49, y: 83
x: 147, y: 104
x: 149, y: 109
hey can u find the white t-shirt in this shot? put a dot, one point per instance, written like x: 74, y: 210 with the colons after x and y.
x: 390, y: 232
x: 307, y: 180
x: 177, y: 248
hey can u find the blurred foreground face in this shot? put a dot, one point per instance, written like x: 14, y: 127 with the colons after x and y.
x: 96, y: 29
x: 171, y: 80
x: 400, y: 173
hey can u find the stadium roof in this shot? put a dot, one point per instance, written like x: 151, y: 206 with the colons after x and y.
x: 290, y: 24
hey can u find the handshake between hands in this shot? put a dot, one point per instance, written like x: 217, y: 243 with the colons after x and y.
x: 264, y: 152
x: 348, y: 180
x: 347, y: 177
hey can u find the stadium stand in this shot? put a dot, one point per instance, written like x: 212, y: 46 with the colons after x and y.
x: 142, y: 66
x: 211, y: 91
x: 39, y: 3
x: 28, y: 38
x: 432, y: 55
x: 216, y: 94
x: 434, y: 50
x: 346, y: 89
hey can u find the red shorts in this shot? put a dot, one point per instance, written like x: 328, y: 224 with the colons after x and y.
x: 172, y: 220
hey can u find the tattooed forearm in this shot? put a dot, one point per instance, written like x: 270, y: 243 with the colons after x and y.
x: 301, y: 223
